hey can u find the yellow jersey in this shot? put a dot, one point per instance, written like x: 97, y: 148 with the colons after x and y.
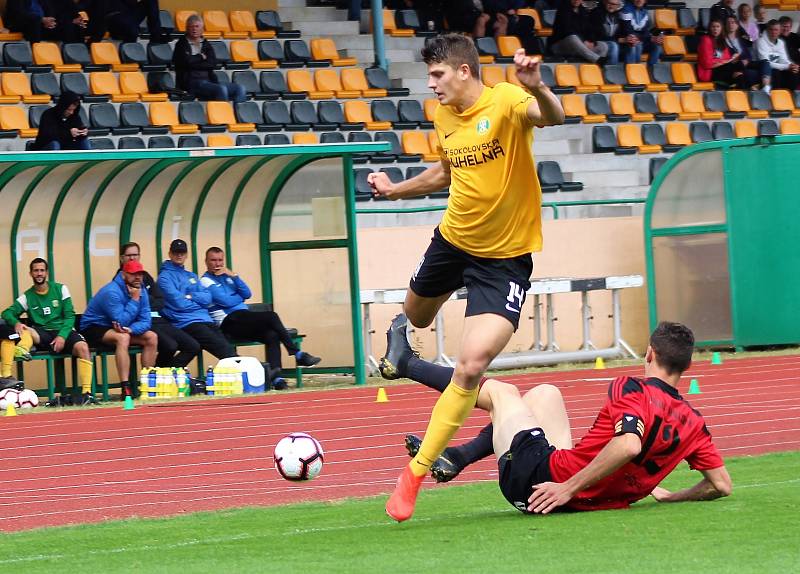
x: 495, y: 201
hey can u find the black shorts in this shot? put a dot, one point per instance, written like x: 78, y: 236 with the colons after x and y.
x: 497, y: 286
x: 46, y: 338
x: 94, y: 335
x: 526, y: 463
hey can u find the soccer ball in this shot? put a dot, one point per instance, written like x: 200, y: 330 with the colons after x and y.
x: 299, y: 456
x: 27, y: 399
x: 9, y: 397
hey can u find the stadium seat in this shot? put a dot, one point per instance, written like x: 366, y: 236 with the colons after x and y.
x: 433, y: 141
x: 130, y: 142
x: 722, y: 131
x: 700, y: 132
x: 9, y: 36
x: 411, y: 111
x: 507, y: 47
x: 217, y: 21
x: 552, y: 179
x: 304, y: 112
x: 105, y: 54
x: 614, y: 74
x: 622, y: 106
x: 244, y: 21
x: 330, y: 112
x: 354, y: 79
x: 567, y: 77
x: 273, y: 50
x: 655, y: 166
x: 244, y: 51
x: 327, y: 79
x: 305, y: 138
x: 541, y: 30
x: 686, y: 20
x: 782, y: 102
x: 661, y: 73
x: 597, y: 105
x: 377, y: 79
x: 331, y: 137
x: 761, y: 101
x: 18, y: 56
x: 46, y: 83
x: 363, y: 191
x: 271, y: 20
x: 429, y: 106
x: 408, y: 19
x: 604, y: 140
x: 628, y: 136
x: 35, y: 114
x: 104, y: 143
x: 302, y: 81
x: 248, y: 139
x: 675, y: 50
x: 297, y: 51
x: 715, y: 102
x: 107, y: 84
x: 592, y: 75
x: 273, y: 83
x: 134, y: 83
x: 251, y: 113
x: 191, y: 141
x: 49, y: 54
x: 386, y: 111
x: 677, y: 135
x: 165, y: 114
x: 325, y: 49
x: 135, y: 115
x: 276, y: 139
x: 390, y: 26
x: 220, y: 140
x: 134, y: 53
x: 224, y: 59
x: 276, y: 113
x: 637, y: 75
x: 692, y: 102
x: 249, y: 82
x: 14, y: 121
x: 17, y: 84
x: 160, y: 142
x: 575, y: 107
x: 511, y: 76
x: 492, y: 75
x: 416, y: 143
x: 745, y: 129
x: 487, y: 50
x: 768, y: 128
x: 645, y: 103
x: 359, y: 137
x: 194, y: 113
x: 104, y: 117
x: 222, y: 113
x: 738, y: 103
x: 790, y: 126
x: 159, y: 55
x: 670, y: 103
x: 683, y: 74
x: 653, y: 135
x: 79, y: 54
x: 76, y: 82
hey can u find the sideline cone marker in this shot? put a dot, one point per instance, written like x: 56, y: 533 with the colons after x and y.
x: 382, y: 397
x: 599, y: 363
x: 716, y: 359
x: 694, y: 387
x: 11, y: 411
x: 128, y: 403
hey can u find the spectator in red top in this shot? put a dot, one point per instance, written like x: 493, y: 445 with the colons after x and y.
x: 715, y: 62
x: 644, y: 430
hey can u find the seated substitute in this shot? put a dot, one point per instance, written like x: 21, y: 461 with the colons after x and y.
x: 229, y: 310
x: 48, y: 306
x: 118, y: 316
x: 175, y: 348
x: 186, y: 303
x: 61, y: 126
x: 643, y: 431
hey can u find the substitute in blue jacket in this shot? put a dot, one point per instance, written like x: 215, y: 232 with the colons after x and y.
x: 119, y: 316
x: 186, y: 303
x: 229, y: 310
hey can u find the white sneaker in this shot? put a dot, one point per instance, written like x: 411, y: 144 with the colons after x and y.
x: 767, y: 89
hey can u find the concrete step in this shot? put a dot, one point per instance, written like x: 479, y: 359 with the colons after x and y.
x: 399, y: 56
x: 609, y: 178
x: 312, y: 14
x: 327, y: 29
x: 364, y: 42
x: 290, y: 4
x: 408, y: 70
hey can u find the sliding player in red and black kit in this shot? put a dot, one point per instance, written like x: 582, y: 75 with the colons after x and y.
x: 643, y: 431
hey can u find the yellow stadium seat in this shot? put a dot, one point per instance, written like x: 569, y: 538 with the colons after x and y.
x: 305, y: 138
x: 48, y: 54
x: 591, y: 75
x: 416, y: 142
x: 678, y: 134
x: 574, y: 105
x: 105, y: 53
x: 243, y: 21
x: 508, y: 45
x: 737, y: 102
x: 623, y: 104
x: 692, y: 102
x: 782, y: 102
x: 245, y: 51
x: 165, y: 114
x: 302, y: 81
x: 492, y: 75
x: 745, y: 129
x: 180, y: 24
x: 133, y: 83
x: 675, y: 47
x: 683, y: 73
x: 325, y: 49
x: 16, y: 118
x: 511, y: 77
x: 433, y: 143
x: 18, y: 84
x: 541, y: 31
x: 429, y: 106
x: 628, y: 135
x: 106, y: 84
x: 217, y: 21
x: 354, y: 79
x: 358, y: 111
x: 219, y: 140
x: 667, y: 20
x: 567, y: 77
x: 790, y: 126
x: 222, y: 113
x: 390, y: 25
x: 670, y: 103
x: 637, y: 74
x: 327, y: 79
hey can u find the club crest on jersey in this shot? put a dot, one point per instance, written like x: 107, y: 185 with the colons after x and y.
x: 483, y: 125
x: 55, y: 302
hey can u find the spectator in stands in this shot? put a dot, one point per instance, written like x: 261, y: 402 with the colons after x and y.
x: 722, y: 9
x: 186, y: 303
x: 51, y: 327
x: 61, y: 127
x: 118, y: 316
x: 121, y: 19
x: 429, y: 12
x: 761, y: 18
x: 606, y: 26
x: 466, y: 16
x: 790, y: 39
x: 39, y: 20
x: 229, y: 310
x: 715, y: 62
x: 571, y: 32
x: 747, y: 23
x: 504, y: 21
x: 755, y: 71
x: 638, y: 38
x: 771, y: 47
x: 194, y: 62
x: 171, y: 340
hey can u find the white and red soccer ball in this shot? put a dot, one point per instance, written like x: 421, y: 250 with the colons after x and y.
x: 24, y: 399
x: 299, y: 456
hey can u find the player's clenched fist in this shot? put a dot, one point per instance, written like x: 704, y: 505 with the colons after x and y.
x: 527, y: 68
x: 381, y: 185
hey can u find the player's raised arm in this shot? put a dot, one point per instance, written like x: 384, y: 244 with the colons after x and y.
x: 435, y: 178
x: 716, y: 483
x: 546, y: 109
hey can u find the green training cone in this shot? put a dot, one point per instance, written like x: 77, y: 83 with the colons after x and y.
x: 716, y: 359
x: 694, y: 387
x: 128, y: 403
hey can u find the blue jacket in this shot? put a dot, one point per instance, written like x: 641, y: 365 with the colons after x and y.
x: 228, y: 294
x: 176, y: 283
x: 114, y: 303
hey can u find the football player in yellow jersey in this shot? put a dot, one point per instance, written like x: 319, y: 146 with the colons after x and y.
x: 486, y: 237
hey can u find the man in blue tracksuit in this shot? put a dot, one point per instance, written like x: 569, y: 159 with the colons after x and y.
x: 229, y: 310
x: 119, y: 316
x: 186, y: 303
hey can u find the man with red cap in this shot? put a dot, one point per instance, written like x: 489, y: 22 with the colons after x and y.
x: 118, y: 316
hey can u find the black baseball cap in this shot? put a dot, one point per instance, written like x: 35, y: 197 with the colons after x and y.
x: 178, y: 246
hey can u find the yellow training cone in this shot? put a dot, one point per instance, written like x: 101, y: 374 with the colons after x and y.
x: 10, y: 410
x: 599, y: 364
x: 382, y: 397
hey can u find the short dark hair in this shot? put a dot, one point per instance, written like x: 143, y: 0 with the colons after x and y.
x: 784, y: 19
x: 214, y: 249
x: 673, y: 344
x: 38, y: 260
x: 772, y: 23
x: 453, y: 50
x: 124, y: 247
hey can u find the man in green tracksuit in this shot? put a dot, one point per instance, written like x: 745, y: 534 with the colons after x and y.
x: 52, y: 321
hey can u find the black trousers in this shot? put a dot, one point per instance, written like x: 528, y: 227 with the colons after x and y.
x: 264, y: 326
x: 172, y: 340
x: 123, y: 25
x: 211, y: 339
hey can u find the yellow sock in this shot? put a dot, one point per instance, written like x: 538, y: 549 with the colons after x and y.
x: 447, y: 416
x: 26, y: 341
x: 6, y: 357
x: 85, y: 371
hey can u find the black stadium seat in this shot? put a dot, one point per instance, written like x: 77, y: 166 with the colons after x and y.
x: 645, y: 103
x: 330, y: 112
x: 191, y: 141
x: 662, y: 73
x: 397, y: 149
x: 655, y: 166
x: 248, y: 139
x: 700, y: 132
x: 250, y: 113
x: 276, y: 139
x: 160, y: 142
x: 45, y: 83
x: 552, y: 179
x: 273, y: 50
x: 363, y: 191
x: 487, y: 46
x: 35, y: 114
x: 760, y: 100
x: 248, y: 80
x: 715, y: 102
x: 303, y: 112
x: 550, y: 81
x: 395, y: 174
x: 195, y: 113
x: 386, y: 111
x: 597, y: 104
x: 101, y: 143
x: 768, y: 128
x: 331, y: 138
x: 104, y: 116
x: 273, y: 83
x: 411, y: 111
x: 159, y: 55
x: 277, y: 114
x: 135, y: 114
x: 653, y: 134
x: 297, y: 51
x: 271, y: 20
x: 76, y: 82
x: 79, y: 54
x: 134, y: 52
x: 130, y: 142
x: 377, y: 78
x: 603, y: 139
x: 722, y: 131
x: 18, y: 56
x: 359, y: 137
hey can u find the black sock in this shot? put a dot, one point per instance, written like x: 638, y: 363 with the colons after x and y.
x: 476, y: 449
x: 430, y: 375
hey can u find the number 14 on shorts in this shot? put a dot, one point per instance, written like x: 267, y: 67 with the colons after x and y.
x: 516, y: 295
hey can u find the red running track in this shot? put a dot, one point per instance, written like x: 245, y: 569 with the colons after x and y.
x: 82, y: 466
